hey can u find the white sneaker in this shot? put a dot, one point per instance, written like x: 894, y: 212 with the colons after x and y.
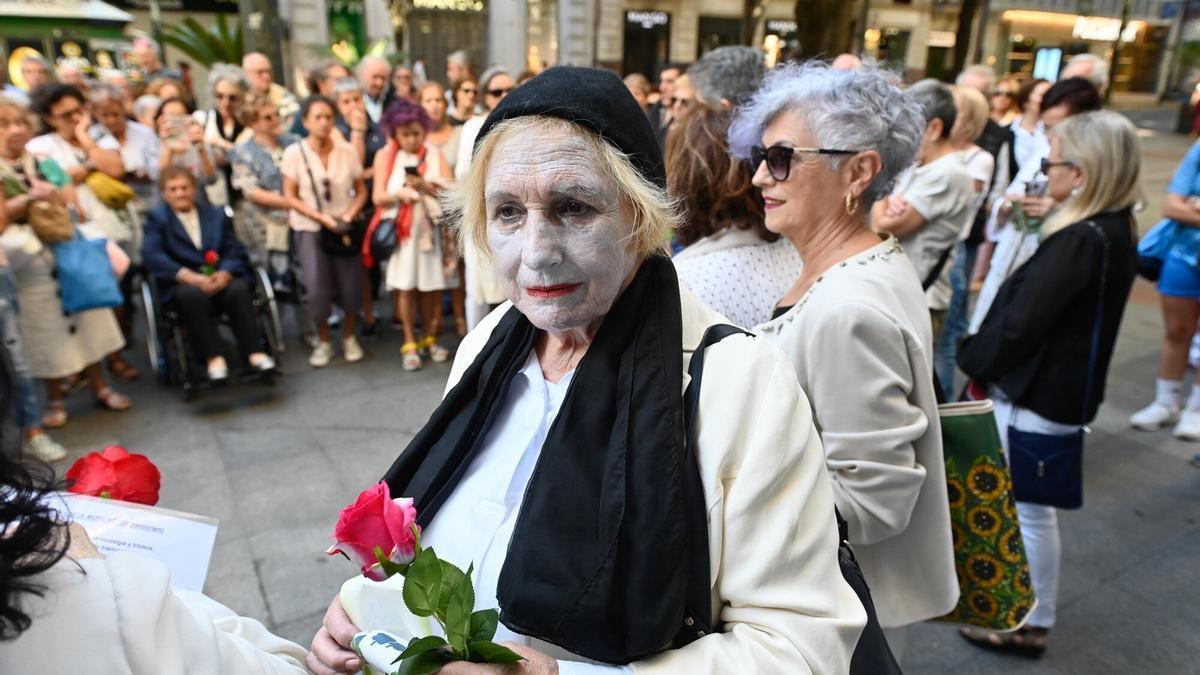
x: 44, y: 448
x: 1188, y: 428
x: 351, y: 349
x: 1154, y: 416
x: 263, y: 363
x: 321, y: 355
x: 218, y: 370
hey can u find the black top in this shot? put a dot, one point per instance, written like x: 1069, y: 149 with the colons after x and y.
x: 1035, y: 341
x: 780, y: 311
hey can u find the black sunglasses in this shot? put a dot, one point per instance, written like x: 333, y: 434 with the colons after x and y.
x: 328, y: 189
x: 1047, y: 165
x: 499, y: 92
x: 779, y: 158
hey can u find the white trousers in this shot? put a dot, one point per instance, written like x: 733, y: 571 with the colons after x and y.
x: 1039, y: 523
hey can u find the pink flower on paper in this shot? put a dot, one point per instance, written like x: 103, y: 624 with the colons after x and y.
x: 376, y: 520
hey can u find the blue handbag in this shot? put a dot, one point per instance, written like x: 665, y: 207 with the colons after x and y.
x: 1048, y: 468
x: 1154, y: 247
x: 85, y: 275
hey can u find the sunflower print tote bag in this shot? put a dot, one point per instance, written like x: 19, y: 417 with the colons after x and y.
x: 989, y: 554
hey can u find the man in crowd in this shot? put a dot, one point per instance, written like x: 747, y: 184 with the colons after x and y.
x: 259, y: 73
x: 846, y: 61
x: 373, y: 74
x: 727, y: 76
x: 660, y: 111
x: 1091, y: 68
x: 149, y: 57
x: 35, y: 71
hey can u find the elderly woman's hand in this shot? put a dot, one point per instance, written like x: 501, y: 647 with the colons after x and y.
x: 1036, y: 207
x: 331, y: 653
x: 535, y: 663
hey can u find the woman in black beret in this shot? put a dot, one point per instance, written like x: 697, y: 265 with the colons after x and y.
x: 560, y: 462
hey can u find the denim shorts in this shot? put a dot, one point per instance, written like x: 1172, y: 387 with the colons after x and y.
x: 1179, y: 279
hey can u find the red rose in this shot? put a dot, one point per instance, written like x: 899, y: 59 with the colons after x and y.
x: 211, y: 257
x: 376, y: 521
x: 116, y: 474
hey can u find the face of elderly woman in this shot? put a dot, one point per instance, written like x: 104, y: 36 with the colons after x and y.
x: 812, y: 193
x: 557, y: 228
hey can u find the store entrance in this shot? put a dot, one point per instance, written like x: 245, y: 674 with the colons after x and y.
x: 647, y: 42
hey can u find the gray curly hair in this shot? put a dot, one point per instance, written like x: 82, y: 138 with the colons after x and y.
x: 852, y: 109
x: 227, y: 72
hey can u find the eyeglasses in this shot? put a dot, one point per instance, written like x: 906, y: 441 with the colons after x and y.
x: 1047, y: 165
x: 472, y: 92
x: 1001, y: 92
x: 269, y: 116
x: 69, y: 114
x: 227, y: 97
x: 499, y: 92
x: 779, y: 158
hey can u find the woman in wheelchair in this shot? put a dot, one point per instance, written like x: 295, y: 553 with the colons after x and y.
x: 193, y: 254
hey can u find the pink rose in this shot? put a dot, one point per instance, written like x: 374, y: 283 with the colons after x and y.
x: 376, y: 521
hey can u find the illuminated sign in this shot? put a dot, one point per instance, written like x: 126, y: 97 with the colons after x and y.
x: 451, y: 5
x: 942, y: 38
x: 648, y: 20
x: 1104, y: 29
x: 781, y: 26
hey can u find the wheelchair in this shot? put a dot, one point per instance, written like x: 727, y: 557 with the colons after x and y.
x: 167, y: 345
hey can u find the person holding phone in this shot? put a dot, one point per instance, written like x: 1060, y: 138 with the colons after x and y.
x: 410, y: 173
x: 183, y: 144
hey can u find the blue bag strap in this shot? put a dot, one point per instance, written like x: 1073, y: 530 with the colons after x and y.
x: 1095, y: 348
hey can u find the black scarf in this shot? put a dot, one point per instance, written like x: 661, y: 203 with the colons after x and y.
x: 600, y: 558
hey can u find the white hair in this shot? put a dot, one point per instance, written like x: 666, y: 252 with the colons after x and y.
x: 843, y: 109
x: 368, y: 60
x: 978, y: 70
x: 227, y: 72
x: 1099, y: 76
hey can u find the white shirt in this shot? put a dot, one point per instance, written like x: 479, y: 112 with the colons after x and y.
x: 738, y: 274
x: 1029, y: 145
x: 191, y: 225
x: 374, y: 107
x: 477, y: 520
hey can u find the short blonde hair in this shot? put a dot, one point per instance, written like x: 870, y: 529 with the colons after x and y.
x: 973, y: 111
x: 655, y: 215
x: 252, y: 105
x: 1104, y: 145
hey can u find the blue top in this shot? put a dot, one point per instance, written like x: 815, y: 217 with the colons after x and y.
x: 1186, y: 245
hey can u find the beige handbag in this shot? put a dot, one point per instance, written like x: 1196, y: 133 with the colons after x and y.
x: 51, y: 221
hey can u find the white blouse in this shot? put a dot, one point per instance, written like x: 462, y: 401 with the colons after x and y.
x: 476, y: 523
x: 738, y: 274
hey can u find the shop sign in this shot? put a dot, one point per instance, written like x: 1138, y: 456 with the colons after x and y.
x: 782, y: 26
x: 648, y: 20
x: 450, y: 5
x: 942, y: 38
x: 215, y: 6
x: 1103, y: 29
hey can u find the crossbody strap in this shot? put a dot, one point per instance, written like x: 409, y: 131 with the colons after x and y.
x: 936, y: 271
x: 308, y: 169
x: 1095, y: 343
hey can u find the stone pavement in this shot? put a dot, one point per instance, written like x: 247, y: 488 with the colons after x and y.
x: 276, y: 464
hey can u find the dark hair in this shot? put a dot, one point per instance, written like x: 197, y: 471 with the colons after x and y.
x: 174, y: 171
x: 1074, y: 92
x: 403, y: 112
x: 713, y: 187
x: 1026, y: 91
x: 316, y: 99
x: 34, y: 540
x: 936, y: 99
x: 48, y: 95
x: 163, y: 106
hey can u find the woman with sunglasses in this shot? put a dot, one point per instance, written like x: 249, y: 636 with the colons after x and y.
x: 465, y: 93
x: 223, y: 129
x: 1004, y: 100
x: 324, y: 186
x: 262, y: 222
x: 824, y: 146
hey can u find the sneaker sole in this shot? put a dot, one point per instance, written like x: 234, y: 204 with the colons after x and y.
x: 1187, y: 437
x: 1152, y: 427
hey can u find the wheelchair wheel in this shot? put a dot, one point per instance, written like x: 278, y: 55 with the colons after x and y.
x: 268, y: 314
x: 153, y: 338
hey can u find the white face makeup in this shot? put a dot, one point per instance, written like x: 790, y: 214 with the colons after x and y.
x: 557, y: 229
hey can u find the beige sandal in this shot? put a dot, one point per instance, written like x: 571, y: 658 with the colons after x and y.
x: 109, y: 399
x: 55, y: 416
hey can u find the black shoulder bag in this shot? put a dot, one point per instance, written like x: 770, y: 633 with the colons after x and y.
x: 1048, y: 468
x: 347, y: 241
x: 872, y: 656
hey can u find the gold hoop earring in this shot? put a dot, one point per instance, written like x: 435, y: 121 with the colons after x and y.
x: 851, y: 203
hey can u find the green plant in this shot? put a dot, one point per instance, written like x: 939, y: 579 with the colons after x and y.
x: 220, y: 44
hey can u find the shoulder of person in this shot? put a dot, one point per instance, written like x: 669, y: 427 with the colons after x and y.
x: 40, y: 145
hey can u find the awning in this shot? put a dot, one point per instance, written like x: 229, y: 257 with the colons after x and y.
x: 79, y: 10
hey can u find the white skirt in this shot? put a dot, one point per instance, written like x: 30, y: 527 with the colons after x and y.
x: 418, y: 263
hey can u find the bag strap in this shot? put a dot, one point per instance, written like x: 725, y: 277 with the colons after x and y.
x: 698, y: 619
x: 1095, y: 348
x: 936, y: 272
x: 308, y: 168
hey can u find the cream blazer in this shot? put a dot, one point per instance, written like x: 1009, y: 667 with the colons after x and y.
x: 120, y: 615
x: 861, y: 343
x: 776, y: 584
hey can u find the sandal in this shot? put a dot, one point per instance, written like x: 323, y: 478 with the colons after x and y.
x: 436, y: 352
x: 411, y: 359
x: 111, y: 400
x: 72, y: 383
x: 55, y: 416
x: 1027, y: 641
x: 120, y: 368
x: 460, y: 324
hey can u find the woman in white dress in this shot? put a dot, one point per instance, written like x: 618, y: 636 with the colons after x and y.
x: 447, y: 137
x: 410, y: 173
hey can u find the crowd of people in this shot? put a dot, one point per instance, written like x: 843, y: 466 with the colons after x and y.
x: 846, y: 218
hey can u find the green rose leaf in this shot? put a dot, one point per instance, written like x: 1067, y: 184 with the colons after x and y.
x: 423, y: 583
x: 483, y: 625
x: 490, y: 652
x: 420, y: 646
x: 459, y: 601
x: 422, y: 664
x: 452, y: 576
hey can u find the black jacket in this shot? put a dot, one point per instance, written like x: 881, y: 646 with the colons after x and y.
x: 1035, y: 341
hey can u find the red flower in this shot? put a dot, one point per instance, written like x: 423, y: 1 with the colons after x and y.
x: 211, y: 257
x: 376, y: 521
x: 116, y: 474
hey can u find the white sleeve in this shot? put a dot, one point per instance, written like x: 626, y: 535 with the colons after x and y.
x: 577, y: 668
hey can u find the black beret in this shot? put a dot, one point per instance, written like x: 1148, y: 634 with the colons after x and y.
x: 596, y: 99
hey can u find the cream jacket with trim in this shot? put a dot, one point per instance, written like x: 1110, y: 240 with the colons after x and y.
x: 861, y: 344
x: 776, y: 584
x: 120, y: 615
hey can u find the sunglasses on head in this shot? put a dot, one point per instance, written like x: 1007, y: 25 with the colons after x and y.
x: 779, y: 158
x: 499, y: 92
